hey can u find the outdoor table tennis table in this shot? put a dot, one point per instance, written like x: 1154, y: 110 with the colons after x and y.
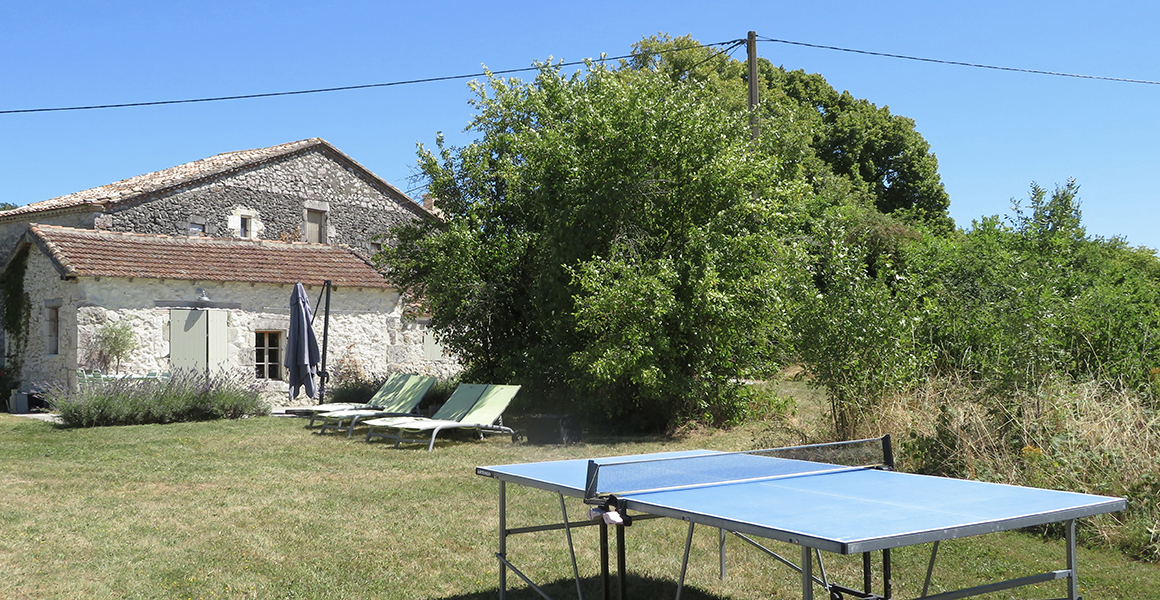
x: 816, y: 506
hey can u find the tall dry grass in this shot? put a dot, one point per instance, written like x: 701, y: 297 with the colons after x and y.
x: 1083, y: 437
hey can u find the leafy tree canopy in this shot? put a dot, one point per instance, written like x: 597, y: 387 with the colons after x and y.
x: 1018, y: 299
x: 615, y: 237
x: 877, y: 150
x: 617, y: 242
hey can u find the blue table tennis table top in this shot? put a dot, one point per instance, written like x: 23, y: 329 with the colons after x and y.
x: 847, y: 511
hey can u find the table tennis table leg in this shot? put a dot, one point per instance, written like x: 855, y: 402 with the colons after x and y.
x: 930, y: 568
x: 604, y: 561
x: 622, y: 576
x: 620, y: 560
x: 807, y: 567
x: 502, y: 540
x: 721, y: 550
x: 571, y: 547
x: 887, y: 584
x: 1072, y: 580
x: 685, y: 560
x: 866, y: 574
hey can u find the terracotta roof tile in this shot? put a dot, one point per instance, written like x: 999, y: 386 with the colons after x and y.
x: 95, y: 253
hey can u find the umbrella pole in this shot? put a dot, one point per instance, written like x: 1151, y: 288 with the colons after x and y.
x: 323, y: 375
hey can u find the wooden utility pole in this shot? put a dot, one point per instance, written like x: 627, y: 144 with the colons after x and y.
x: 751, y: 46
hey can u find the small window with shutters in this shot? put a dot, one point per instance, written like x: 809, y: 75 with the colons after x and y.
x: 268, y: 354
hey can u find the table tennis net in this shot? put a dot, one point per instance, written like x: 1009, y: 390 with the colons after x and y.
x: 639, y: 476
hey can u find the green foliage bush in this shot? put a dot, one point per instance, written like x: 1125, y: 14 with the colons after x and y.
x: 856, y: 322
x: 1016, y: 303
x: 186, y: 396
x: 111, y: 344
x: 621, y: 245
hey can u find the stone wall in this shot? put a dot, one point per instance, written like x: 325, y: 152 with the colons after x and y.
x: 44, y: 289
x: 275, y: 196
x: 366, y: 328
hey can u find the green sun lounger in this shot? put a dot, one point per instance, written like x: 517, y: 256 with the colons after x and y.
x: 402, y: 399
x: 484, y: 416
x: 462, y: 400
x: 386, y: 393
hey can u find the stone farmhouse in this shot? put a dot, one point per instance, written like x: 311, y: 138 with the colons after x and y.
x: 199, y: 261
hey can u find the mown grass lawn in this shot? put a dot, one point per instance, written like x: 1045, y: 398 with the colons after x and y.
x: 261, y: 508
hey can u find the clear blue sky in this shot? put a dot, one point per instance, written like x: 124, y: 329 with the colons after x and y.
x: 993, y: 132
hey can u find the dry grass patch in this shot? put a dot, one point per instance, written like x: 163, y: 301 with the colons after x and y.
x: 1079, y: 437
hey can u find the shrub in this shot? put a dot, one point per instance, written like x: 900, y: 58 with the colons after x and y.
x: 187, y: 396
x: 111, y: 344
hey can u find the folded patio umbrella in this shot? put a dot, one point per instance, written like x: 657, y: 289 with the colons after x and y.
x: 301, y: 346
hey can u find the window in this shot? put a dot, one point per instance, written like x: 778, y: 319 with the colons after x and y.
x: 244, y: 222
x: 197, y: 225
x: 315, y: 226
x: 53, y: 341
x: 267, y: 356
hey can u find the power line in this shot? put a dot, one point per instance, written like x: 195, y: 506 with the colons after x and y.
x: 330, y: 89
x: 957, y: 63
x: 730, y: 46
x: 271, y: 94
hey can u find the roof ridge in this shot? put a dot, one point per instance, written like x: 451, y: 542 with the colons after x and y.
x: 168, y: 178
x: 193, y: 239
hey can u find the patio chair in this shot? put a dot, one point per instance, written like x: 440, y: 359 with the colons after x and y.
x: 87, y: 379
x: 402, y: 399
x: 485, y: 416
x: 386, y: 393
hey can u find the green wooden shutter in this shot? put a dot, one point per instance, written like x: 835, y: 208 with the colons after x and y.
x: 197, y: 339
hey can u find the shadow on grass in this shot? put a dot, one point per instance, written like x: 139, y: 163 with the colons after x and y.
x: 565, y: 589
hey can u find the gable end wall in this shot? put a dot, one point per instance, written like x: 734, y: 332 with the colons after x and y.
x: 279, y: 192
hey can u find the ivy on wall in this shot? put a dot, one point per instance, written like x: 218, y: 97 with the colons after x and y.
x: 17, y: 314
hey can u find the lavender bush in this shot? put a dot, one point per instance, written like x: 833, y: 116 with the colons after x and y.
x: 186, y: 396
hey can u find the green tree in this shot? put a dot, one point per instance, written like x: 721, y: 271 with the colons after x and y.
x: 111, y: 344
x: 880, y: 152
x: 874, y: 147
x: 857, y: 324
x: 613, y: 240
